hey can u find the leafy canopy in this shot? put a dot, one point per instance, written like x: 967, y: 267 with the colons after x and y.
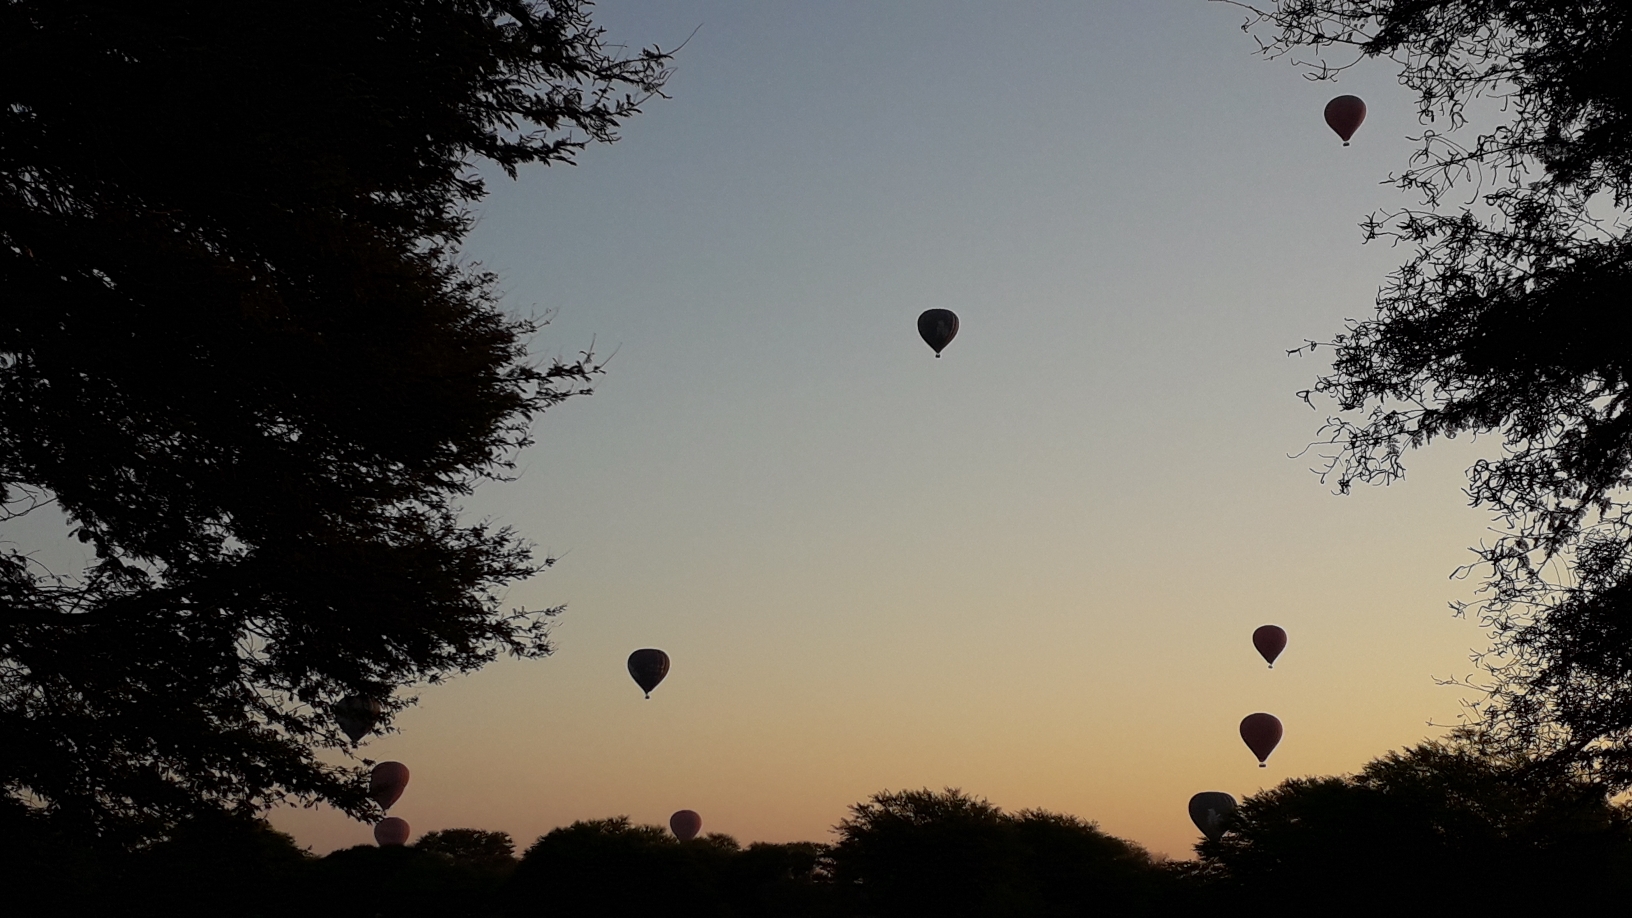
x: 241, y: 357
x: 1508, y: 318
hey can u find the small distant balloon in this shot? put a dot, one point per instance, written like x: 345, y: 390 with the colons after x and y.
x: 648, y: 667
x: 1344, y: 115
x: 356, y: 716
x: 1262, y: 733
x: 685, y: 824
x: 938, y: 327
x: 1270, y: 641
x: 387, y: 782
x: 1207, y: 811
x: 391, y: 831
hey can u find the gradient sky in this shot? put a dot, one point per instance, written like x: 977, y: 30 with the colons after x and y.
x: 1030, y: 569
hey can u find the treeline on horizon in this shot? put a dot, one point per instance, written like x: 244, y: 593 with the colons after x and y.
x: 1432, y: 827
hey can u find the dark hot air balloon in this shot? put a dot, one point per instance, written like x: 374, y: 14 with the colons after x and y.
x: 648, y: 667
x: 387, y: 782
x: 1344, y: 115
x: 1270, y: 641
x: 1261, y: 733
x: 1207, y: 811
x: 356, y: 716
x: 685, y: 824
x: 391, y: 831
x: 938, y: 327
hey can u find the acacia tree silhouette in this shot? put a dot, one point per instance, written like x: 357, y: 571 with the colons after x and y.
x: 1509, y: 318
x: 241, y: 356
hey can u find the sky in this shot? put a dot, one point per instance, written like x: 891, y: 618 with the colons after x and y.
x: 1030, y: 569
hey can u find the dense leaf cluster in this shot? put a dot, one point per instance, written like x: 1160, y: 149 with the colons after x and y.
x: 240, y: 357
x: 1508, y: 318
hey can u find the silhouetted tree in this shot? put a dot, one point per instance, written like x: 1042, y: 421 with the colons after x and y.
x: 793, y: 880
x: 492, y: 852
x: 240, y: 356
x: 1510, y: 317
x: 927, y: 853
x: 45, y: 871
x: 215, y: 865
x: 1403, y: 834
x: 400, y: 881
x: 614, y: 869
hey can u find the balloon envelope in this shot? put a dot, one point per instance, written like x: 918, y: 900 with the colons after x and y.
x: 1270, y: 641
x: 356, y: 716
x: 648, y: 667
x: 1261, y: 733
x: 938, y: 327
x: 391, y: 831
x: 1344, y: 115
x: 1207, y: 811
x: 685, y: 824
x: 387, y: 782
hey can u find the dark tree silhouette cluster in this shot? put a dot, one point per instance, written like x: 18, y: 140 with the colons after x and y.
x: 241, y: 358
x: 1509, y: 318
x: 1403, y: 836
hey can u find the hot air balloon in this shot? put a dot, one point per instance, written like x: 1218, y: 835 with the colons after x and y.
x: 1344, y: 114
x: 648, y: 667
x: 1261, y: 733
x: 387, y: 782
x: 938, y: 327
x: 685, y: 824
x: 391, y: 831
x: 1207, y: 811
x: 356, y: 716
x: 1270, y: 641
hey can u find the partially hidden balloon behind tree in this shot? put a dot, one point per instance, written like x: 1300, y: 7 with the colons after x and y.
x: 1262, y: 733
x: 387, y: 782
x: 938, y: 327
x: 1270, y: 641
x: 648, y: 667
x: 1207, y: 811
x: 685, y: 824
x: 357, y: 716
x: 1344, y: 115
x: 391, y: 831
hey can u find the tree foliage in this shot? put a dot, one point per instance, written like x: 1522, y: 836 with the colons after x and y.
x: 1508, y: 318
x: 241, y: 357
x: 475, y: 848
x: 1396, y: 837
x: 924, y: 852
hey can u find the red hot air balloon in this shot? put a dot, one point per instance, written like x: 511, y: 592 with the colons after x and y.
x: 1270, y: 641
x: 391, y: 831
x: 1344, y: 115
x: 938, y: 327
x: 1207, y: 811
x: 1261, y: 733
x: 387, y: 782
x: 685, y: 824
x: 648, y: 667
